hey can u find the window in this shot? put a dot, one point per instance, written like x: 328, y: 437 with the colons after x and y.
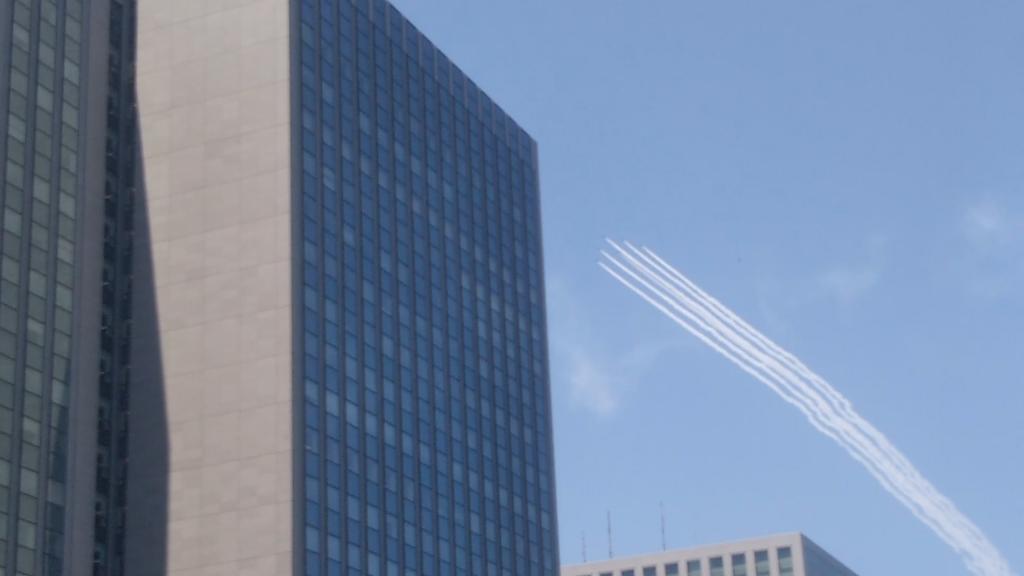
x: 739, y: 565
x: 650, y: 571
x: 672, y: 569
x: 717, y: 565
x: 761, y: 564
x: 785, y: 561
x: 629, y: 572
x: 693, y: 568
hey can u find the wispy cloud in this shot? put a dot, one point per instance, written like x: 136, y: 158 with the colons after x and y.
x: 849, y: 282
x: 988, y: 223
x: 600, y: 374
x: 591, y: 384
x: 993, y: 231
x: 599, y: 382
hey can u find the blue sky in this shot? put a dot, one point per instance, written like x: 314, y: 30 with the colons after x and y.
x: 848, y: 176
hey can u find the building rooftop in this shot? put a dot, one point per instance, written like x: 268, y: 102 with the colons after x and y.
x: 785, y: 554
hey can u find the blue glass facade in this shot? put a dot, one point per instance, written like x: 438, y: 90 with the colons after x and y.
x: 42, y: 96
x: 425, y: 428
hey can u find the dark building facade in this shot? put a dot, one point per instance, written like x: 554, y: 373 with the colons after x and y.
x: 271, y: 298
x: 114, y: 391
x: 426, y: 427
x: 52, y: 87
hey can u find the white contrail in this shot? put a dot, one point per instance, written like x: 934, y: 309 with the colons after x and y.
x: 816, y: 381
x: 814, y: 416
x: 845, y: 441
x: 716, y: 310
x: 854, y: 443
x: 668, y: 290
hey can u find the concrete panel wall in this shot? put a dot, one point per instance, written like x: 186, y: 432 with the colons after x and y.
x: 210, y: 483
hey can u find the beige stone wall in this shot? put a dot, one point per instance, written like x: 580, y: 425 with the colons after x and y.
x: 213, y: 96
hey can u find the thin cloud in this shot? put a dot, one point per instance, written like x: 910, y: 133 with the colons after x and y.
x: 993, y: 232
x: 591, y: 385
x: 848, y: 284
x: 988, y: 223
x: 599, y: 383
x: 600, y: 375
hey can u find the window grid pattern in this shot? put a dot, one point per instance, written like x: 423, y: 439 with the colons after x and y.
x: 39, y: 166
x: 426, y: 425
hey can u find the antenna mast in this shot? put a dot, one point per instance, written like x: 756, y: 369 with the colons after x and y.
x: 664, y: 540
x: 611, y: 552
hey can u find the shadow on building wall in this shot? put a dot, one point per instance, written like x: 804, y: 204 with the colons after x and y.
x: 147, y: 513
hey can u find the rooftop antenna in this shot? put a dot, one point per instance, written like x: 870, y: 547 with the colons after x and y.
x: 583, y: 540
x: 611, y: 552
x: 664, y: 540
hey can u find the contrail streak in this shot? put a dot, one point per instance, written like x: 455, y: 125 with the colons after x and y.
x: 814, y: 416
x: 853, y: 444
x: 682, y: 301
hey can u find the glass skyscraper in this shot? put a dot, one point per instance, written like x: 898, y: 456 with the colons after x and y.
x: 51, y: 134
x: 272, y: 298
x: 427, y: 437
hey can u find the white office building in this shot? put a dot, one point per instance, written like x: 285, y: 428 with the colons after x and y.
x: 782, y: 555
